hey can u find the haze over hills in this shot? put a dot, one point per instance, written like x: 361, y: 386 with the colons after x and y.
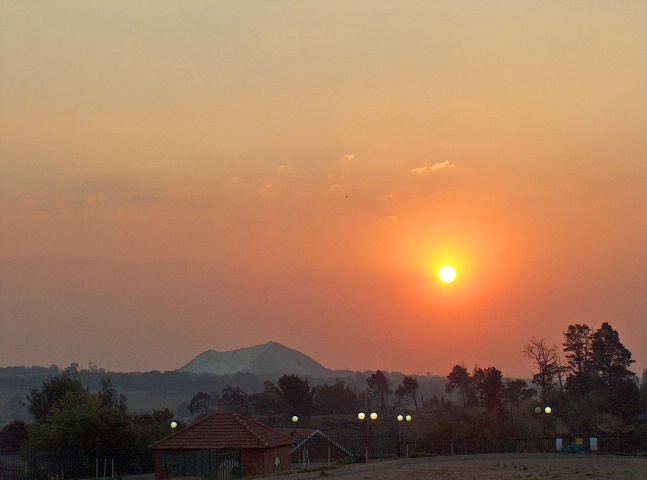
x: 269, y: 359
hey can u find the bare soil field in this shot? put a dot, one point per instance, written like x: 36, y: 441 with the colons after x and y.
x: 502, y: 467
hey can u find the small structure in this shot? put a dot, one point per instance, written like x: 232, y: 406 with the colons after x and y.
x: 314, y: 446
x: 222, y: 446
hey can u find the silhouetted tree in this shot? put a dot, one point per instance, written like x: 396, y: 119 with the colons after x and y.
x: 150, y: 427
x: 110, y: 397
x: 297, y: 395
x: 643, y: 392
x: 41, y: 403
x: 82, y: 421
x: 379, y: 387
x: 408, y: 388
x: 269, y: 401
x: 201, y: 403
x: 459, y: 379
x: 611, y: 359
x: 233, y: 399
x: 13, y: 436
x: 577, y: 344
x: 516, y: 391
x: 624, y: 399
x: 335, y: 399
x: 489, y: 386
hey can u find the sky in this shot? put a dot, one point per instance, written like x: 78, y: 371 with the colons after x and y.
x: 180, y: 176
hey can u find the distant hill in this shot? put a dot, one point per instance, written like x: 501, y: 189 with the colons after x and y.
x: 270, y: 359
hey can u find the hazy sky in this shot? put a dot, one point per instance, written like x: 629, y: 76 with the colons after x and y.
x: 179, y: 176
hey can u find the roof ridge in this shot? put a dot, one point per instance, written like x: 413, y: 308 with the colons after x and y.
x: 221, y: 428
x: 244, y: 421
x: 316, y: 432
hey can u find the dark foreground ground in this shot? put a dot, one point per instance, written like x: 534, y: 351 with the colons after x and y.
x: 499, y: 467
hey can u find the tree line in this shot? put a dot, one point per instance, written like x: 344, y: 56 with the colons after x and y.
x: 587, y: 384
x: 65, y: 413
x: 293, y: 395
x: 589, y: 378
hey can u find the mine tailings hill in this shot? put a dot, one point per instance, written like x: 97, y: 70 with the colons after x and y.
x: 270, y: 359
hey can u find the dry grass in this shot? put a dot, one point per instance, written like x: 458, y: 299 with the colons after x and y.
x: 506, y: 467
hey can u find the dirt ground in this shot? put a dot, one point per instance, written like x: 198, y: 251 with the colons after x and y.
x: 504, y: 467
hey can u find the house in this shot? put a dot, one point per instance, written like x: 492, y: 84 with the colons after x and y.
x: 222, y: 446
x: 314, y: 446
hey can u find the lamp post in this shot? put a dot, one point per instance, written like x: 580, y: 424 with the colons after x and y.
x: 400, y: 419
x: 304, y: 453
x: 546, y: 411
x: 362, y: 416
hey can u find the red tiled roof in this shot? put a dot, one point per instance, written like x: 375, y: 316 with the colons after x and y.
x: 224, y: 430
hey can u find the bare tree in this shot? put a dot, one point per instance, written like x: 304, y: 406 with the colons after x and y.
x: 546, y: 361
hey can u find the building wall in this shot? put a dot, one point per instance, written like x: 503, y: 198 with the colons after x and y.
x: 262, y: 462
x: 160, y: 472
x: 283, y: 454
x: 252, y: 463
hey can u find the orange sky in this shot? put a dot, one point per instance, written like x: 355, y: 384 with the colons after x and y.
x: 185, y: 176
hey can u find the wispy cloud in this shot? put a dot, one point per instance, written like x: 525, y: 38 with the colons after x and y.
x: 432, y: 168
x: 388, y: 220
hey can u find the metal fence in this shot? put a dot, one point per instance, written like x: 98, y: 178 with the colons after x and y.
x: 71, y: 464
x: 382, y: 445
x: 214, y: 464
x: 111, y: 463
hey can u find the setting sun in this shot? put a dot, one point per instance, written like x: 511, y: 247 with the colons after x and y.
x: 447, y: 274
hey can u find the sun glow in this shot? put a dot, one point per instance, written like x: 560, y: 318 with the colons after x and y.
x: 447, y: 274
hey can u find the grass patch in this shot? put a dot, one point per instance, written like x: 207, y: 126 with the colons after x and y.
x: 421, y: 454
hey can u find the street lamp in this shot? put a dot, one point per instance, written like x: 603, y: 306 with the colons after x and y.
x: 361, y: 416
x: 400, y: 419
x: 546, y: 410
x: 173, y: 425
x: 306, y: 458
